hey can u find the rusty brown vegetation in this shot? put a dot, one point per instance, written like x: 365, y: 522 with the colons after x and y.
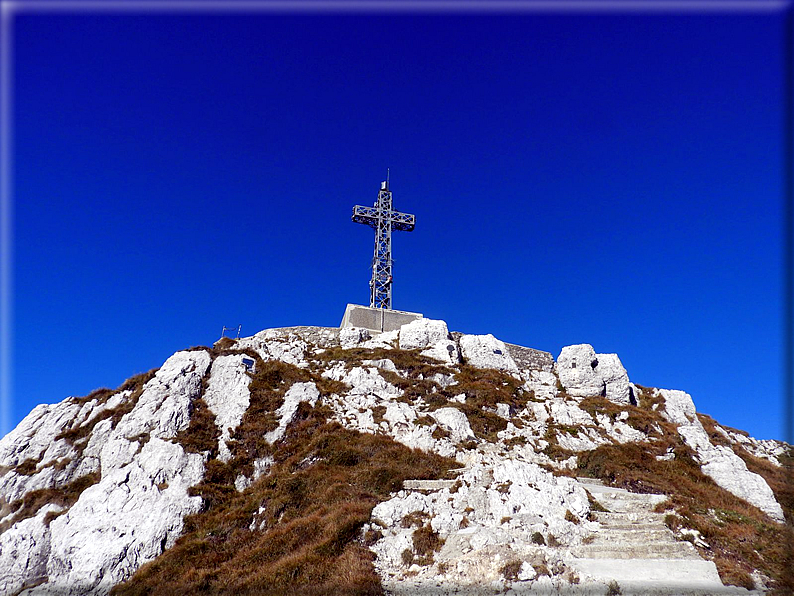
x: 135, y: 384
x: 67, y: 494
x: 297, y: 530
x: 741, y: 538
x: 321, y: 489
x: 64, y: 496
x: 484, y: 389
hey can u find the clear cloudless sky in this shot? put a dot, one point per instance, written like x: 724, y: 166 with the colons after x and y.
x: 603, y: 178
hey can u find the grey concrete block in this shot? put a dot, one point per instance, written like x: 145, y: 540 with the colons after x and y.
x: 376, y: 319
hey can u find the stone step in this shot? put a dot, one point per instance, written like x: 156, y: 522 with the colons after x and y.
x: 625, y: 506
x: 588, y: 482
x: 661, y: 550
x: 612, y: 518
x: 606, y: 528
x: 428, y: 484
x: 657, y: 576
x: 632, y: 535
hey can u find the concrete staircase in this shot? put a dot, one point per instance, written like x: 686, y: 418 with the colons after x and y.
x: 636, y: 549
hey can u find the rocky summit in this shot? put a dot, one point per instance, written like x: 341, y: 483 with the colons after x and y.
x: 311, y: 460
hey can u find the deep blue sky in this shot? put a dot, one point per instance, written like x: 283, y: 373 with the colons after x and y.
x: 612, y: 179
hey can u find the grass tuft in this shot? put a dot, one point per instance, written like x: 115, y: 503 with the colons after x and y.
x: 319, y: 493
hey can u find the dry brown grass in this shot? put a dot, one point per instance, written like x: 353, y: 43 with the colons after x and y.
x: 202, y: 434
x: 101, y: 395
x: 225, y: 343
x: 27, y: 467
x: 741, y: 537
x: 412, y: 364
x: 484, y: 389
x: 511, y: 569
x: 319, y: 493
x: 135, y: 384
x: 640, y: 417
x: 780, y: 480
x: 64, y: 496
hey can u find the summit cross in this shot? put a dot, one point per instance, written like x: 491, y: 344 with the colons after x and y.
x: 383, y: 219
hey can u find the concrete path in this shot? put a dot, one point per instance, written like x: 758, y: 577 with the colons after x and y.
x: 639, y: 552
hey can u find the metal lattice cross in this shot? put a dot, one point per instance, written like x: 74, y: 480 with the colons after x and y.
x: 383, y: 219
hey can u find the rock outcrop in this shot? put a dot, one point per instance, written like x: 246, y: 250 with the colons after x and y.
x: 717, y: 461
x: 93, y: 488
x: 583, y: 373
x: 136, y: 508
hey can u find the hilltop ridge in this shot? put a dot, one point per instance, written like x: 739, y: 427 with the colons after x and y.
x: 319, y: 460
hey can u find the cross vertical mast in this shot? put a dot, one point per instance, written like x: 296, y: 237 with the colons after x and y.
x: 383, y: 219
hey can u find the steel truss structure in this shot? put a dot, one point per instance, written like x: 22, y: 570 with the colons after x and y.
x: 383, y: 219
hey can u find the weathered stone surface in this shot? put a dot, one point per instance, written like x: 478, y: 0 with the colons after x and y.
x: 299, y: 392
x: 388, y: 339
x: 488, y: 515
x: 720, y: 463
x: 445, y: 351
x: 422, y: 333
x: 287, y: 345
x: 485, y: 351
x: 228, y: 397
x: 583, y: 373
x: 137, y: 507
x: 530, y: 359
x: 767, y: 449
x: 491, y: 507
x: 350, y: 337
x: 455, y: 422
x: 134, y: 513
x: 24, y: 550
x: 164, y: 406
x: 363, y: 381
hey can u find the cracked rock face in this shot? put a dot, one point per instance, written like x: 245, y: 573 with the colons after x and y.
x: 504, y: 506
x: 137, y: 507
x: 583, y: 373
x: 489, y: 509
x: 720, y: 463
x: 485, y: 351
x: 227, y: 396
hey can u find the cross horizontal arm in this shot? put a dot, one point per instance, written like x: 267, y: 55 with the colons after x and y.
x: 370, y: 215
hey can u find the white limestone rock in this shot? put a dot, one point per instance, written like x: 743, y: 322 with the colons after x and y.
x: 350, y: 337
x: 363, y: 381
x: 583, y: 373
x: 718, y: 462
x: 164, y: 407
x: 261, y: 468
x: 454, y: 422
x: 387, y: 339
x: 767, y: 449
x: 485, y: 351
x: 543, y: 384
x: 35, y: 439
x: 445, y: 351
x: 228, y: 397
x: 502, y: 504
x: 422, y: 333
x: 24, y: 550
x: 134, y: 513
x: 384, y: 363
x: 299, y: 392
x: 277, y: 344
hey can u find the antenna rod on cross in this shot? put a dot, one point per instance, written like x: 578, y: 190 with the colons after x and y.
x: 383, y: 219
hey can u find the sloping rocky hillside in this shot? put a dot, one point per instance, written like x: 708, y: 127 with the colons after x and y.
x: 313, y: 460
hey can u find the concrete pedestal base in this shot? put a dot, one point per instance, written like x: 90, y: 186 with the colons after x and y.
x: 376, y: 319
